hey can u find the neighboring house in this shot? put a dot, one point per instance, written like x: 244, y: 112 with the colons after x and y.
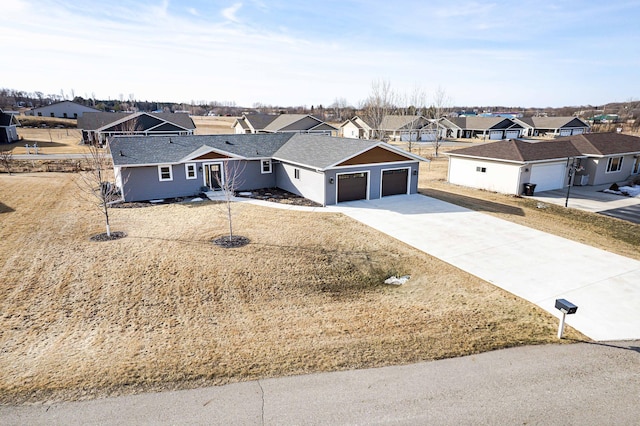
x: 356, y: 128
x: 63, y: 109
x: 553, y: 126
x: 321, y: 168
x: 488, y: 128
x: 611, y: 157
x: 8, y: 127
x: 406, y: 128
x: 505, y: 166
x: 282, y: 123
x: 449, y: 129
x: 98, y: 126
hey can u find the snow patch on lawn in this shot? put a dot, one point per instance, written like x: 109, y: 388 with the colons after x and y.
x: 629, y: 191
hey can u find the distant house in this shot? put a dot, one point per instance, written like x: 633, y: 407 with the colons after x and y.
x: 63, y: 109
x: 505, y: 166
x: 553, y: 126
x: 406, y: 128
x: 325, y: 169
x: 356, y: 128
x: 282, y: 123
x: 8, y: 127
x: 488, y: 128
x: 98, y: 126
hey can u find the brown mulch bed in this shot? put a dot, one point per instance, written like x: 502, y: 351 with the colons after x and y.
x: 233, y: 242
x: 116, y: 235
x: 278, y: 195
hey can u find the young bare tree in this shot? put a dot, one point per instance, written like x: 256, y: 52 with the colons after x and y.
x: 441, y: 106
x: 6, y: 159
x: 380, y: 102
x: 410, y: 106
x: 229, y: 180
x: 98, y: 186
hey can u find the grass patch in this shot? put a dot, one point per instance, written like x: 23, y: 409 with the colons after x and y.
x: 164, y: 308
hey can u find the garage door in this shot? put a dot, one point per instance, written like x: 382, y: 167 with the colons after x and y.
x: 352, y: 186
x: 495, y: 134
x: 565, y: 132
x: 394, y: 182
x: 577, y: 131
x: 513, y: 134
x: 548, y: 176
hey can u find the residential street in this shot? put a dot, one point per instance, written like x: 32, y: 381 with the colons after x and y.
x: 586, y: 384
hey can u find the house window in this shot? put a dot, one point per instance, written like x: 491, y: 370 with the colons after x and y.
x: 266, y: 166
x: 614, y: 164
x: 296, y: 173
x: 636, y: 166
x: 39, y: 114
x: 190, y: 170
x: 481, y: 169
x: 165, y: 173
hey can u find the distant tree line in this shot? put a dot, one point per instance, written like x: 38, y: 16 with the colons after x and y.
x: 413, y: 103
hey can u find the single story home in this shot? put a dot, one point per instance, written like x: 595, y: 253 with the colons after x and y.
x: 406, y: 128
x: 505, y: 166
x: 98, y: 126
x: 356, y: 128
x: 282, y: 123
x: 553, y: 126
x: 610, y: 157
x: 487, y: 128
x: 62, y: 109
x: 324, y: 169
x: 8, y: 127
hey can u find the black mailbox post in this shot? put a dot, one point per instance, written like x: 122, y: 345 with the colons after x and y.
x: 565, y: 307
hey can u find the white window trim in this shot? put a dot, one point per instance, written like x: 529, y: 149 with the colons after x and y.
x: 262, y: 163
x: 296, y: 173
x: 635, y: 168
x: 186, y: 171
x: 610, y: 160
x: 160, y: 167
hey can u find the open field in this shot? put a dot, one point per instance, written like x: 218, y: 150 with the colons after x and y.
x: 164, y: 308
x: 49, y: 141
x: 213, y: 125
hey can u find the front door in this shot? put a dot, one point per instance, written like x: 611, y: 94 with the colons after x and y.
x: 213, y: 176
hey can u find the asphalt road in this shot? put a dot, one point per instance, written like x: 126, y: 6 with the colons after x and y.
x: 586, y: 384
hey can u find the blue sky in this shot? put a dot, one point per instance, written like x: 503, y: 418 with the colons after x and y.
x: 512, y: 53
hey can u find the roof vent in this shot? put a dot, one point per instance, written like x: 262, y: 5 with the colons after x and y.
x: 228, y: 143
x: 170, y: 141
x: 121, y: 153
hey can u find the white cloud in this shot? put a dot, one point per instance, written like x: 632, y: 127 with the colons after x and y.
x: 230, y: 12
x: 193, y: 11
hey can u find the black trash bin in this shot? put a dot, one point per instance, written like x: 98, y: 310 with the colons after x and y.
x: 529, y: 188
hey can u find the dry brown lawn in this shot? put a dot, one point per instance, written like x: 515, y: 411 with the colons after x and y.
x: 164, y: 308
x: 49, y: 141
x: 213, y: 125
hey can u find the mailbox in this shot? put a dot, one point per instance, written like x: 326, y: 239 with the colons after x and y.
x: 565, y: 306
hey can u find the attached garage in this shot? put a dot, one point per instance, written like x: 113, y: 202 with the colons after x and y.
x: 352, y: 186
x: 548, y: 176
x: 496, y: 135
x: 395, y: 182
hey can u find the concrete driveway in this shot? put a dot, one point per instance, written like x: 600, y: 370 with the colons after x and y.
x: 592, y: 199
x: 534, y: 265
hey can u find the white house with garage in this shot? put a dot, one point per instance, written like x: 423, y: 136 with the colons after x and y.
x: 506, y: 166
x: 62, y: 109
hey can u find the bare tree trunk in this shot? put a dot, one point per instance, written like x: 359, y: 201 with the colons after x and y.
x: 229, y: 181
x: 6, y: 158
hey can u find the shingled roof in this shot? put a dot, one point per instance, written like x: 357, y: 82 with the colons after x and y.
x: 317, y: 151
x: 601, y: 144
x: 515, y: 150
x: 97, y: 120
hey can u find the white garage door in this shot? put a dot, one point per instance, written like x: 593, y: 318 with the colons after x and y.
x: 513, y: 134
x: 565, y: 132
x: 548, y: 176
x: 495, y: 134
x: 577, y: 131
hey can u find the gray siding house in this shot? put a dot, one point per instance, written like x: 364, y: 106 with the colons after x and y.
x: 324, y: 169
x: 282, y: 123
x: 8, y: 127
x: 97, y: 127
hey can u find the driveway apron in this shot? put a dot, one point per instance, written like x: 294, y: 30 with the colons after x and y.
x: 531, y: 264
